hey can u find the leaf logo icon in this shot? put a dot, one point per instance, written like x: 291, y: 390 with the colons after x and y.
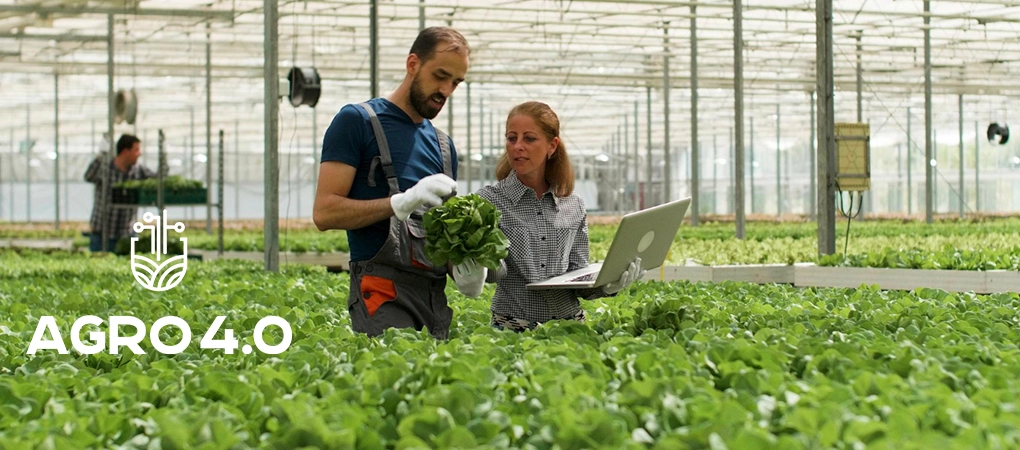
x: 156, y: 272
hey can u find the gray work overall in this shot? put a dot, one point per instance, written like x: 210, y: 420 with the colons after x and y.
x: 399, y: 287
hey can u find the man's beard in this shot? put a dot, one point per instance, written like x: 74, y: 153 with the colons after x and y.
x: 420, y: 101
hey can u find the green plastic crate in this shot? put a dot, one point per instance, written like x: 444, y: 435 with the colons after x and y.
x: 148, y: 198
x: 190, y: 196
x: 125, y: 196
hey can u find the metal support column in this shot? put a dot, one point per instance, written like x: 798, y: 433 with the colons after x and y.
x: 189, y: 162
x: 449, y: 105
x: 449, y: 118
x: 493, y: 151
x: 929, y: 170
x: 481, y: 140
x: 421, y: 15
x: 271, y: 169
x: 648, y: 130
x: 812, y: 164
x: 1, y: 178
x: 104, y: 167
x: 738, y: 109
x: 779, y: 165
x: 637, y: 160
x: 614, y: 168
x: 667, y: 166
x: 751, y: 160
x: 373, y: 47
x: 160, y: 169
x: 219, y: 194
x: 732, y: 175
x: 56, y: 151
x: 935, y: 162
x: 11, y: 164
x: 860, y: 112
x: 620, y: 169
x: 826, y: 130
x: 860, y: 78
x: 977, y: 168
x: 315, y: 151
x: 470, y: 176
x: 237, y: 169
x: 715, y: 173
x: 625, y: 152
x: 67, y: 194
x: 208, y: 131
x: 695, y: 147
x: 962, y: 191
x: 28, y: 163
x: 910, y: 151
x: 899, y: 175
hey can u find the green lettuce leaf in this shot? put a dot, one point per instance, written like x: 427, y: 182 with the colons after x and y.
x: 465, y: 227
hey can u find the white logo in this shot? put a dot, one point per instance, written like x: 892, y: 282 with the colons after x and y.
x: 158, y: 275
x: 119, y: 337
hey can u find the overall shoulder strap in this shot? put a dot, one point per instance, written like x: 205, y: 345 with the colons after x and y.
x: 384, y: 152
x: 444, y: 147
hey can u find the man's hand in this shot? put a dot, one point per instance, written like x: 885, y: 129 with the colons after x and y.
x: 633, y: 273
x: 429, y: 191
x: 470, y: 277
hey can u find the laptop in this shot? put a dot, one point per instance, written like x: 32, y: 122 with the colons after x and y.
x: 647, y: 234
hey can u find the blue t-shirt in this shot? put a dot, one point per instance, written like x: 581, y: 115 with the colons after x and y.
x: 414, y: 148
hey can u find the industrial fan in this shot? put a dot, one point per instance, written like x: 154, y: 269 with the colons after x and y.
x: 305, y: 86
x: 125, y: 106
x: 998, y: 134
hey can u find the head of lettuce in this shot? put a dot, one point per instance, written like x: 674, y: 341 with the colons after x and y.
x: 465, y: 232
x: 465, y: 227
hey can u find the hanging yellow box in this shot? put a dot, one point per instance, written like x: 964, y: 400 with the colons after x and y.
x: 853, y: 146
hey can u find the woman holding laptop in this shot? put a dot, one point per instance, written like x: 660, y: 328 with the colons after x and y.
x: 545, y: 223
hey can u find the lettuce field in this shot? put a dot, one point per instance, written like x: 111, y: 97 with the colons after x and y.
x: 668, y: 366
x: 985, y: 244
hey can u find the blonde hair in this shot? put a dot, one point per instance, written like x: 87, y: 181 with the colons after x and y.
x: 558, y: 171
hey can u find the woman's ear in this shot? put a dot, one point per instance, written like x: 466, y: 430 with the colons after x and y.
x: 552, y: 150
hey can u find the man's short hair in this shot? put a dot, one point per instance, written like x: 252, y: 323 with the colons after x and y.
x: 429, y: 39
x: 125, y: 142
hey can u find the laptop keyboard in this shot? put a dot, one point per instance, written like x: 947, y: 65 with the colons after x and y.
x: 586, y: 277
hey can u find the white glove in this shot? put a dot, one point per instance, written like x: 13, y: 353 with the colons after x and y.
x: 633, y: 273
x: 428, y: 191
x: 470, y: 277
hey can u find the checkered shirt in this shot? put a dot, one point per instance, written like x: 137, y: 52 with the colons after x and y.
x: 520, y: 325
x: 117, y: 221
x: 548, y: 237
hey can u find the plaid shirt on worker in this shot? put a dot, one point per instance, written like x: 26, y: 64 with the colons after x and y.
x: 548, y: 237
x: 118, y: 221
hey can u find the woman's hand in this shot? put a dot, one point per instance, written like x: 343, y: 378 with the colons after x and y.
x: 633, y: 273
x: 470, y: 277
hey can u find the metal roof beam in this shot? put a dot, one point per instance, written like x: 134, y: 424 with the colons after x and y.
x: 54, y: 37
x: 152, y: 12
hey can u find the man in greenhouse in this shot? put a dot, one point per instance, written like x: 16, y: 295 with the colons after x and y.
x: 383, y: 165
x: 116, y: 221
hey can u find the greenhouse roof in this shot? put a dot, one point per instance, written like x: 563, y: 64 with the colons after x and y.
x: 596, y: 62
